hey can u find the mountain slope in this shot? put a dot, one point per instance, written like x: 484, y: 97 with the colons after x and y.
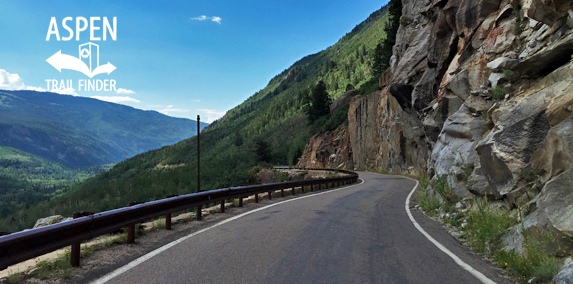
x: 81, y: 132
x: 26, y: 179
x: 273, y: 115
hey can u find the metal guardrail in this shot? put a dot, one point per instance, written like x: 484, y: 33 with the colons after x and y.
x: 24, y: 245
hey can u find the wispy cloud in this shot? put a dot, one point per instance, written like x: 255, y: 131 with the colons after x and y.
x: 204, y: 18
x: 124, y: 91
x: 212, y: 114
x: 116, y: 99
x: 169, y: 110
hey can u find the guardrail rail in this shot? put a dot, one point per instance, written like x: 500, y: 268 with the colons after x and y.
x: 24, y: 245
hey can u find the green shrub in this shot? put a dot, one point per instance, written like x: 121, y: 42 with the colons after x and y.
x: 534, y: 262
x: 283, y: 176
x: 427, y: 202
x: 499, y: 92
x: 424, y: 181
x: 442, y: 187
x: 486, y: 227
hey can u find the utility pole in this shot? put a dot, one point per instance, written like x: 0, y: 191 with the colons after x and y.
x: 198, y: 153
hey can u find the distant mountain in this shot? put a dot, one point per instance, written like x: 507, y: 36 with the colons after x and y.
x: 82, y: 132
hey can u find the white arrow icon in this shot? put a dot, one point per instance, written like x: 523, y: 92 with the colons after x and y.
x: 63, y: 61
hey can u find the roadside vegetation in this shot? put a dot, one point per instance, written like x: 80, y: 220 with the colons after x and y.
x: 482, y: 227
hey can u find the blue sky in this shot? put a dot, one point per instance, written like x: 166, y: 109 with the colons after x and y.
x: 182, y: 58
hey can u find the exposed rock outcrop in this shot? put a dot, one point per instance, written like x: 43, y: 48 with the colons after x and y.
x: 480, y: 91
x: 328, y: 150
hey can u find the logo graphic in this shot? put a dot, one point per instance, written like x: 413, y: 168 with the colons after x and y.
x: 87, y: 62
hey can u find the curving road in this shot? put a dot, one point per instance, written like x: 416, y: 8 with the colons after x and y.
x: 357, y: 234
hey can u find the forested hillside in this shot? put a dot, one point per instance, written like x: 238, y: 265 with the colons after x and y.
x: 270, y: 127
x: 25, y: 179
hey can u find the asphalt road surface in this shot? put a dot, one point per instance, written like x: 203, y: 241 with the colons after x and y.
x: 357, y: 234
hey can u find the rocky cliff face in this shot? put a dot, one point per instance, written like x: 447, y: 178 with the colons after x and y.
x: 480, y: 91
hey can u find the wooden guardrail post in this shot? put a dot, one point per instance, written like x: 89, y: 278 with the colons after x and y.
x: 198, y: 212
x: 282, y: 193
x: 312, y: 187
x: 256, y: 198
x: 241, y: 201
x: 302, y: 188
x: 223, y: 206
x: 168, y: 216
x: 293, y: 191
x: 131, y: 229
x: 270, y: 193
x: 75, y: 250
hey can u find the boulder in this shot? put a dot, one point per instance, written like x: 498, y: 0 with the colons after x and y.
x: 49, y: 221
x: 556, y: 153
x: 502, y: 63
x: 565, y: 275
x: 477, y: 103
x: 342, y: 100
x: 544, y: 61
x: 459, y: 85
x: 556, y: 202
x: 478, y: 185
x: 494, y: 78
x: 550, y: 219
x: 548, y: 12
x: 425, y: 90
x: 454, y: 152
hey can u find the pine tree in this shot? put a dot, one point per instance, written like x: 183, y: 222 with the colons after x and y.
x: 378, y: 65
x: 383, y: 51
x: 319, y: 102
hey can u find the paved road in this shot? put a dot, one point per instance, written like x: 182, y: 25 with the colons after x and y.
x: 359, y: 234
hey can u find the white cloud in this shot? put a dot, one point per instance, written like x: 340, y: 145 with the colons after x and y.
x: 13, y: 82
x: 67, y: 91
x: 216, y: 20
x: 116, y: 100
x: 10, y: 81
x: 124, y: 91
x: 212, y: 114
x: 169, y: 106
x: 203, y: 18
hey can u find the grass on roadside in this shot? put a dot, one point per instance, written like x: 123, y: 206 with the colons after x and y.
x: 60, y: 268
x: 533, y: 263
x: 485, y: 228
x: 428, y: 202
x: 14, y: 277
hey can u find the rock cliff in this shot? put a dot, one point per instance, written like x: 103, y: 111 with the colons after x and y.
x: 480, y: 91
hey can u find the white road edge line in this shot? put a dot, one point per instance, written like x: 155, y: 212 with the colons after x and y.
x: 460, y: 262
x: 157, y: 251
